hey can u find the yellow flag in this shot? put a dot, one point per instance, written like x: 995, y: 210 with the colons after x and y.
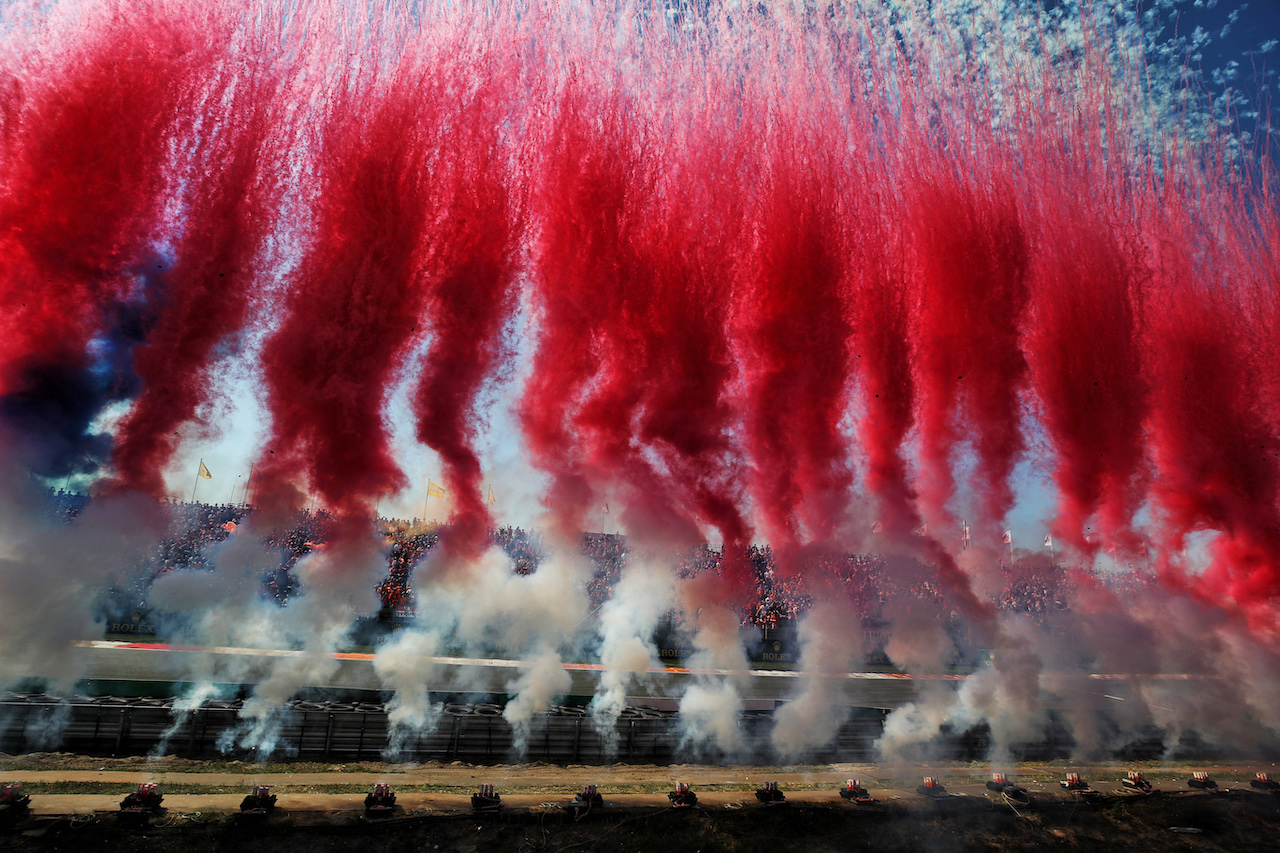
x: 204, y: 471
x: 491, y: 499
x: 434, y: 491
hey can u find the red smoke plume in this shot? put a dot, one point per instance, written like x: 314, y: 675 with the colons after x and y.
x: 972, y: 265
x: 352, y: 307
x: 796, y: 334
x: 770, y: 267
x: 472, y: 245
x: 85, y: 144
x: 233, y: 180
x: 583, y: 200
x: 1082, y: 344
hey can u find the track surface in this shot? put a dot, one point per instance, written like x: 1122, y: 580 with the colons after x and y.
x: 157, y: 662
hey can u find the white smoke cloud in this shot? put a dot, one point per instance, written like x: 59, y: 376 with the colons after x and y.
x: 494, y: 606
x: 710, y: 709
x: 918, y: 644
x: 830, y: 641
x: 338, y: 584
x: 405, y: 664
x: 709, y: 714
x: 544, y: 678
x: 491, y: 609
x: 627, y: 623
x: 54, y: 574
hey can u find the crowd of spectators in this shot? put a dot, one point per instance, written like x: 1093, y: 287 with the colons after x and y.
x: 408, y: 547
x: 607, y: 553
x: 778, y: 594
x: 63, y: 505
x: 1036, y: 590
x: 524, y: 547
x: 1128, y: 585
x: 193, y: 529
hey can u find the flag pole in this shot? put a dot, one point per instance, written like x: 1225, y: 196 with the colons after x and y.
x: 197, y: 483
x: 1010, y: 547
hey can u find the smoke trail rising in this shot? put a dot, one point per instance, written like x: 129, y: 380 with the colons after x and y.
x: 337, y: 586
x: 404, y: 665
x: 583, y: 202
x: 234, y: 176
x: 828, y: 650
x: 798, y: 335
x: 470, y: 289
x: 711, y: 706
x: 1214, y: 472
x: 1092, y: 397
x: 686, y: 417
x: 627, y: 623
x: 776, y: 264
x: 86, y: 142
x: 969, y: 366
x: 353, y: 307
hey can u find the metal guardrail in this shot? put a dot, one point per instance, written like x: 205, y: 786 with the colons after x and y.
x: 475, y: 733
x: 349, y: 731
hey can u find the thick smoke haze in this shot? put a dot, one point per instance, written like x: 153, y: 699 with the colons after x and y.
x: 768, y: 288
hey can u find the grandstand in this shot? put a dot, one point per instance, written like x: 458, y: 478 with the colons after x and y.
x: 129, y: 674
x: 870, y: 582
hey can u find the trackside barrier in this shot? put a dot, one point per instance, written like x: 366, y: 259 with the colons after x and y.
x: 477, y: 733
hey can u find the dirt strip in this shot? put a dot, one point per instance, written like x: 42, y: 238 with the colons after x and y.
x: 966, y: 798
x: 521, y: 787
x: 75, y: 806
x: 536, y: 777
